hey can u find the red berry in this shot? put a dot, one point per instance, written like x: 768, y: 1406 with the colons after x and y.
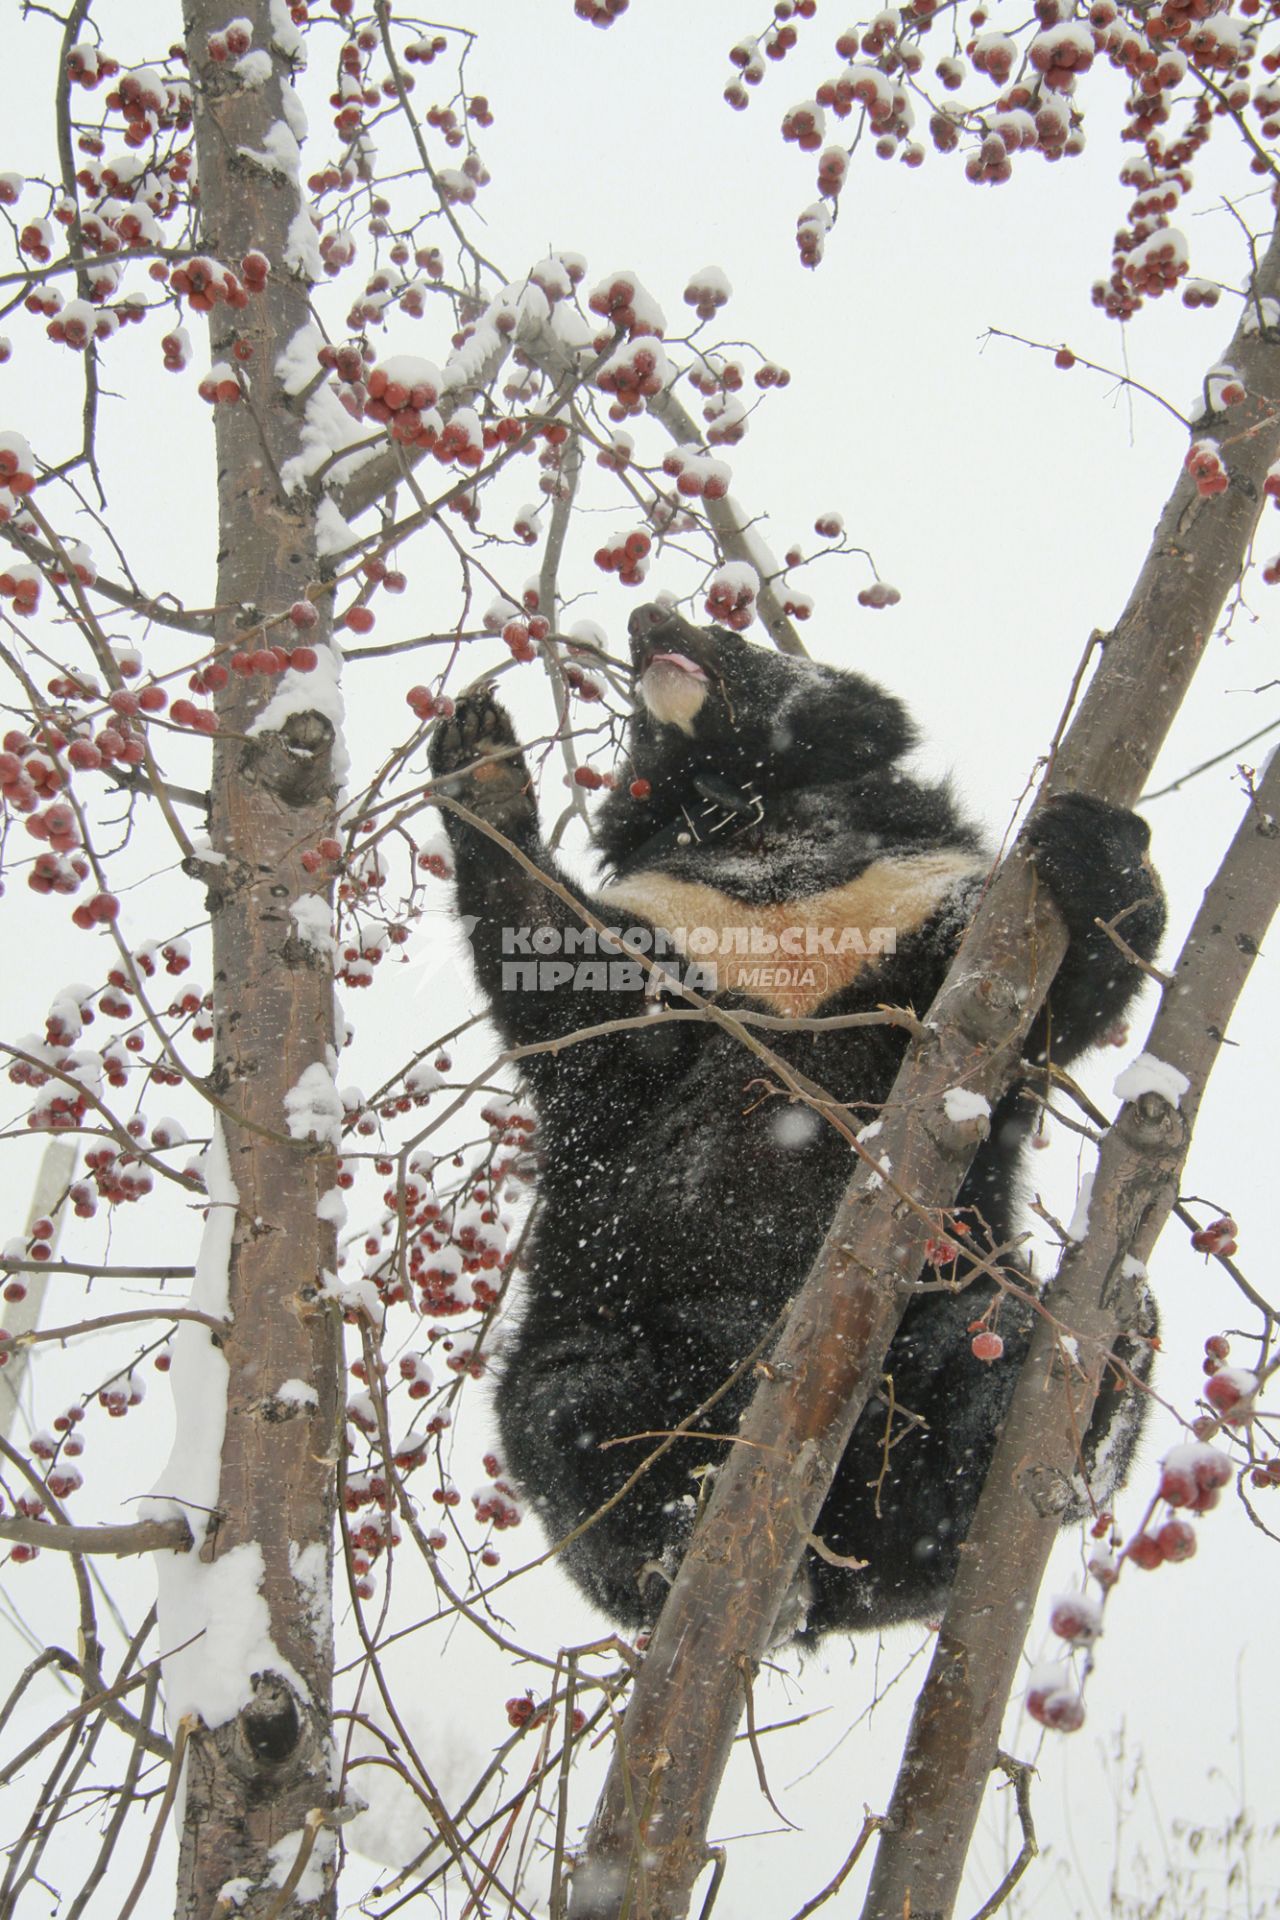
x: 1230, y: 1391
x: 1054, y: 1702
x: 1177, y: 1539
x: 1076, y: 1616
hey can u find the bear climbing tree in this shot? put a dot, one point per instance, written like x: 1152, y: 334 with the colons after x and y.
x: 304, y: 444
x: 762, y: 809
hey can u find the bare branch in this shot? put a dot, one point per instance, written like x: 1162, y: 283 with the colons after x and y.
x: 141, y: 1536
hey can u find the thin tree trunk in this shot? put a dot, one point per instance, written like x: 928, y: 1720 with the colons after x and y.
x: 647, y: 1841
x: 262, y: 1780
x: 951, y: 1747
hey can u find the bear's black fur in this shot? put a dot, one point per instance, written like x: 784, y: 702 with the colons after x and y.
x: 683, y: 1201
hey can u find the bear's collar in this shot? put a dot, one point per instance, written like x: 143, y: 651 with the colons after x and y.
x: 726, y: 812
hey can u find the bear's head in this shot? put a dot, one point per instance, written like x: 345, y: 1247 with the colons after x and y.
x: 718, y: 715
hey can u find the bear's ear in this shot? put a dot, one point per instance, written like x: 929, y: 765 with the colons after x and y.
x: 832, y: 725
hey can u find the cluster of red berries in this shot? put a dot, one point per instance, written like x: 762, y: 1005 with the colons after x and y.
x: 456, y: 1243
x: 423, y: 51
x: 634, y: 374
x: 98, y: 911
x: 582, y: 685
x: 415, y: 1371
x: 202, y: 283
x: 1060, y: 53
x: 428, y: 704
x: 119, y: 1395
x: 698, y: 475
x: 118, y: 1177
x: 878, y: 596
x: 400, y: 393
x: 1191, y: 1479
x: 21, y: 585
x: 57, y: 826
x: 522, y: 636
x: 749, y: 56
x: 27, y: 1506
x: 1229, y: 1390
x: 87, y: 64
x: 28, y: 774
x: 496, y: 1502
x: 592, y: 779
x: 1219, y: 1237
x: 462, y: 438
x: 232, y: 43
x: 731, y: 597
x: 325, y: 853
x: 600, y: 13
x: 220, y: 387
x: 726, y: 419
x: 707, y: 292
x: 812, y: 228
x: 78, y: 323
x: 805, y: 125
x: 1156, y: 263
x: 268, y: 661
x: 1054, y: 1700
x: 625, y: 554
x: 17, y: 467
x: 1204, y: 464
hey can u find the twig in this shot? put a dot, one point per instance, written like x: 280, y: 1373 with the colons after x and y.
x: 185, y: 1726
x: 748, y: 1694
x: 1019, y: 1773
x: 871, y: 1823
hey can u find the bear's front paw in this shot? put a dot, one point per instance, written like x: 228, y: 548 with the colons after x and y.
x: 1092, y: 856
x: 476, y: 758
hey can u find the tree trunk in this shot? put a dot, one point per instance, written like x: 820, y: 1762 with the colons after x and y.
x: 260, y: 1785
x: 955, y: 1727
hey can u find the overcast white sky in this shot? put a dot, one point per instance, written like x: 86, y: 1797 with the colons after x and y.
x: 1011, y: 504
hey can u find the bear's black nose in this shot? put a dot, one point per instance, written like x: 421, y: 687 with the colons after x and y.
x: 646, y: 618
x: 654, y: 627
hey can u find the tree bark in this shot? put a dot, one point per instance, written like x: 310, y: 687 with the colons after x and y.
x: 259, y: 1781
x: 647, y: 1841
x: 955, y: 1727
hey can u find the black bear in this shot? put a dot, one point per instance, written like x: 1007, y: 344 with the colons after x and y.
x: 763, y: 842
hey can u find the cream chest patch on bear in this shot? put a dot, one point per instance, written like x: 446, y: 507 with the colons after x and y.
x: 792, y: 957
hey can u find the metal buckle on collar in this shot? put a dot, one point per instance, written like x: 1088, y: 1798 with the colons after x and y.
x: 726, y: 807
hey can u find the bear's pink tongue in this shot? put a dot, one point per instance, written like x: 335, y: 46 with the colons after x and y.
x: 681, y: 660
